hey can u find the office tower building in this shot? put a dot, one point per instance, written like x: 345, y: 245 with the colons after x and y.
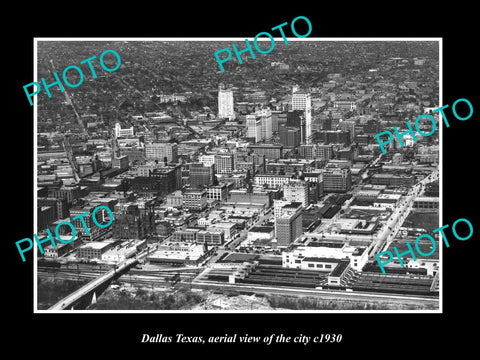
x: 224, y: 163
x: 337, y: 180
x: 157, y: 179
x: 278, y: 205
x: 194, y: 199
x: 207, y: 160
x: 119, y: 132
x: 45, y: 216
x: 296, y: 118
x: 289, y: 136
x: 316, y: 151
x: 201, y: 175
x: 327, y: 124
x: 324, y: 152
x: 265, y: 115
x: 79, y: 222
x: 296, y: 191
x: 307, y: 151
x: 288, y: 226
x: 302, y: 101
x: 270, y: 151
x: 260, y: 125
x: 275, y: 118
x: 60, y: 206
x: 333, y: 137
x: 120, y: 162
x: 254, y: 127
x: 225, y: 104
x: 161, y: 152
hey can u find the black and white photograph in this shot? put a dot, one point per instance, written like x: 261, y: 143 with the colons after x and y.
x: 218, y: 181
x: 262, y: 187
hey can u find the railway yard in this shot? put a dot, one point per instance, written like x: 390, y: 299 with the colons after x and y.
x: 266, y: 277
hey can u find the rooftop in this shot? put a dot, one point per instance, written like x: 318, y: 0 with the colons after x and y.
x: 386, y: 175
x: 388, y: 197
x: 426, y: 198
x: 262, y: 229
x: 292, y: 205
x: 96, y: 245
x: 340, y: 268
x: 321, y: 259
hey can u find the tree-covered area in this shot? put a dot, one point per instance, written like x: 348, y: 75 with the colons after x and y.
x: 312, y: 303
x: 49, y: 292
x: 146, y: 300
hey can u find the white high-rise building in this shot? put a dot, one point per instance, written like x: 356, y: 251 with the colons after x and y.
x: 296, y: 191
x: 266, y: 123
x: 254, y: 127
x: 225, y: 104
x: 119, y: 132
x: 207, y: 160
x: 278, y: 205
x: 303, y: 101
x: 259, y: 125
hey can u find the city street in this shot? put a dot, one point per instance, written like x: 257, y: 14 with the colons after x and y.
x: 398, y: 217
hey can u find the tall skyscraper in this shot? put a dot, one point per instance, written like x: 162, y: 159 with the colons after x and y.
x: 266, y: 123
x: 296, y: 118
x: 288, y: 226
x: 254, y: 127
x: 225, y: 103
x: 302, y: 101
x: 296, y: 191
x: 278, y: 205
x: 260, y: 125
x: 275, y: 117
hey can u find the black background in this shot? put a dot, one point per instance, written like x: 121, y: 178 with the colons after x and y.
x: 364, y: 335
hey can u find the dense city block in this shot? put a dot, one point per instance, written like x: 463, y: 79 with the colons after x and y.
x: 265, y: 180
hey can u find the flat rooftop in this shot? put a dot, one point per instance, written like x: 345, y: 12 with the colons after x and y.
x: 339, y: 268
x: 321, y: 259
x: 316, y: 242
x: 293, y: 205
x: 387, y: 175
x: 262, y: 229
x: 426, y: 198
x: 96, y: 245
